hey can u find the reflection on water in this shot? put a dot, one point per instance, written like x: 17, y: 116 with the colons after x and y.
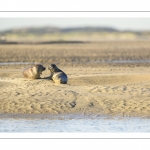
x: 101, y: 124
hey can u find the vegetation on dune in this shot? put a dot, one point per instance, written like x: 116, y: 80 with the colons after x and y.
x: 83, y: 34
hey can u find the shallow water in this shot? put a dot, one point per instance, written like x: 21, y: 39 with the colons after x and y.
x: 97, y: 61
x: 62, y: 124
x: 124, y: 61
x: 16, y: 63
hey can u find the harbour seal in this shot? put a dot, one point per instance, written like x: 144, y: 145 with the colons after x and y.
x: 33, y: 72
x: 57, y: 75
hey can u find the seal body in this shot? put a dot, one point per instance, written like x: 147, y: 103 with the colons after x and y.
x: 33, y: 72
x: 57, y: 75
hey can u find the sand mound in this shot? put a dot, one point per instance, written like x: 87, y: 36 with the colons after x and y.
x: 97, y: 92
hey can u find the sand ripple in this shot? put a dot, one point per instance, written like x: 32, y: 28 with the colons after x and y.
x: 100, y: 92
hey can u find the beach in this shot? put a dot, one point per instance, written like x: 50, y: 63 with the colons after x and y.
x: 104, y: 78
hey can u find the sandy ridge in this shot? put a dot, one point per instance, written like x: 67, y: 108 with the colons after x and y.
x: 107, y: 93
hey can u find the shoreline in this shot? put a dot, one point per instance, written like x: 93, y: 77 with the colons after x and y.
x: 66, y: 116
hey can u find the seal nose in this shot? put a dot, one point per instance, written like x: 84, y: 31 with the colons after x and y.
x: 49, y: 67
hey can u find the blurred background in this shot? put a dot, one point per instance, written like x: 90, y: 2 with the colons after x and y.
x: 28, y: 30
x: 75, y: 41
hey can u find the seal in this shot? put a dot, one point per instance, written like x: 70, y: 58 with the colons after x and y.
x: 33, y: 72
x: 57, y: 75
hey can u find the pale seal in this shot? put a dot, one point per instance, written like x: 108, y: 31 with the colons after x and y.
x: 33, y: 72
x: 57, y: 75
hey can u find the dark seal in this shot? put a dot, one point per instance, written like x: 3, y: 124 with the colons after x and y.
x: 57, y: 75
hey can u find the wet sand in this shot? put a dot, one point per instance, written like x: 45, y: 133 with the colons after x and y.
x: 100, y: 89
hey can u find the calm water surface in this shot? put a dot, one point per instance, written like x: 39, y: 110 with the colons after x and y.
x: 87, y: 124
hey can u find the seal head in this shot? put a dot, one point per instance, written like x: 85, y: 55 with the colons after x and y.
x: 53, y: 68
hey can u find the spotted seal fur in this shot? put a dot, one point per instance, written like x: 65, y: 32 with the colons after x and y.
x: 57, y: 75
x: 33, y: 72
